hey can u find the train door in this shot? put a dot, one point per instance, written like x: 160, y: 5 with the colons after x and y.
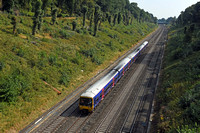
x: 103, y: 93
x: 113, y: 82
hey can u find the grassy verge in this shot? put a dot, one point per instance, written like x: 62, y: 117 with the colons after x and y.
x: 63, y: 58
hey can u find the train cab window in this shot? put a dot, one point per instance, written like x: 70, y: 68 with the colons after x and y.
x: 86, y: 101
x: 106, y: 89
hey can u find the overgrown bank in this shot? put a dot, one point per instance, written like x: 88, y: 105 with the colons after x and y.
x: 63, y: 58
x: 178, y: 96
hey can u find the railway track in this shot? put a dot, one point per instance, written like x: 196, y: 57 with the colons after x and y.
x: 137, y: 116
x: 66, y: 117
x: 118, y: 108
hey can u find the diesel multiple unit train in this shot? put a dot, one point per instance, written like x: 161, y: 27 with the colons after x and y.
x: 94, y: 94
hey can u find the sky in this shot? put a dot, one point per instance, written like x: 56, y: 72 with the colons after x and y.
x: 164, y: 8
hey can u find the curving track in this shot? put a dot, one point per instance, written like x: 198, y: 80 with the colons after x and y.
x: 125, y: 109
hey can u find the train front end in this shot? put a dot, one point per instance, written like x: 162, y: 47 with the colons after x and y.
x: 86, y: 104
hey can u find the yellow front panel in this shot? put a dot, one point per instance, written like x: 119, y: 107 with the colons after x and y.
x: 90, y: 109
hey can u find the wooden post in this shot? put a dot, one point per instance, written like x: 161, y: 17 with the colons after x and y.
x: 53, y: 88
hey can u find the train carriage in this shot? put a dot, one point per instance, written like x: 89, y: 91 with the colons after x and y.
x: 95, y: 94
x: 97, y: 91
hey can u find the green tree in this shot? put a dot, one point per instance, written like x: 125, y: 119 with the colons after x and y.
x: 45, y: 5
x: 91, y: 17
x: 97, y: 16
x: 40, y: 20
x: 14, y: 23
x: 115, y: 19
x: 110, y: 19
x: 54, y: 15
x: 74, y: 24
x: 8, y: 5
x: 36, y: 18
x: 84, y: 10
x: 71, y: 9
x: 119, y: 18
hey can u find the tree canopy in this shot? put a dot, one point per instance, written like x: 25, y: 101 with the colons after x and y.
x: 74, y: 7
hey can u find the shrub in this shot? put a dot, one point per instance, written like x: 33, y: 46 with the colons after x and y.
x: 110, y: 45
x: 65, y: 34
x: 14, y: 85
x: 79, y: 31
x: 75, y: 61
x: 189, y: 129
x: 54, y: 35
x: 97, y: 60
x: 47, y: 29
x: 52, y: 59
x: 89, y: 53
x: 178, y: 53
x: 1, y: 65
x: 190, y: 103
x: 20, y: 52
x: 64, y: 79
x: 21, y: 31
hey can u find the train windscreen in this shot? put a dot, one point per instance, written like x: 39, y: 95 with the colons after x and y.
x: 86, y: 101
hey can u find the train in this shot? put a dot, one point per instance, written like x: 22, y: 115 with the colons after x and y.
x: 90, y: 99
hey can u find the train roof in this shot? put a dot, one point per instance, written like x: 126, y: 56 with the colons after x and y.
x: 146, y: 42
x: 143, y: 45
x: 121, y: 64
x: 134, y: 53
x: 96, y: 87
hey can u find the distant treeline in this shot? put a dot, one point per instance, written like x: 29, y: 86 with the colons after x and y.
x: 189, y: 16
x: 110, y: 9
x: 167, y: 21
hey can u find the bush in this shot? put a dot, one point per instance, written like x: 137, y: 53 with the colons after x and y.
x: 89, y: 53
x: 178, y: 53
x: 54, y: 34
x: 1, y: 65
x: 111, y: 45
x: 26, y: 13
x: 64, y: 79
x: 97, y: 60
x: 190, y: 102
x: 52, y: 59
x: 14, y: 85
x: 64, y: 34
x: 75, y: 61
x: 21, y: 31
x: 47, y: 29
x: 20, y: 52
x: 188, y: 129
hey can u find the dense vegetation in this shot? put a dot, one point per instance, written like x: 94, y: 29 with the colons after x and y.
x: 43, y: 44
x: 178, y: 98
x: 109, y: 8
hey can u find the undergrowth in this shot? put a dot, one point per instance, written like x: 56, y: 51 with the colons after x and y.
x: 178, y: 97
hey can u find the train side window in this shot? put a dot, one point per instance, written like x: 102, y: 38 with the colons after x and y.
x: 97, y: 99
x: 106, y: 89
